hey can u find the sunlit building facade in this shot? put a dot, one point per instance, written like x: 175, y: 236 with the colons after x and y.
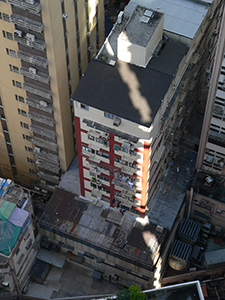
x: 45, y: 47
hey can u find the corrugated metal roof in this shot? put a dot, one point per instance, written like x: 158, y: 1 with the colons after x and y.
x: 138, y: 242
x: 182, y: 17
x: 189, y: 230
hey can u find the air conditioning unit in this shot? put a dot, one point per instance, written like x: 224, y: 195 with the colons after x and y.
x: 33, y: 71
x: 117, y: 122
x: 18, y: 33
x: 43, y: 103
x: 37, y: 150
x: 64, y: 16
x: 89, y: 33
x: 30, y: 37
x: 30, y: 1
x: 105, y: 136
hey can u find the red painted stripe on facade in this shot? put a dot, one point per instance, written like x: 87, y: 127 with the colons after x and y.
x: 145, y: 175
x: 79, y: 150
x: 111, y: 163
x: 84, y: 131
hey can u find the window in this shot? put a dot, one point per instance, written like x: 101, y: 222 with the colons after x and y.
x: 22, y: 112
x: 14, y: 69
x: 26, y: 137
x: 19, y: 98
x: 7, y: 35
x: 12, y: 53
x: 90, y: 137
x: 116, y: 147
x: 85, y: 148
x: 103, y: 154
x: 108, y: 115
x: 30, y: 160
x: 84, y: 106
x: 98, y: 140
x: 6, y: 17
x: 17, y: 84
x: 0, y: 16
x: 24, y: 125
x: 32, y: 171
x: 28, y: 149
x: 117, y: 159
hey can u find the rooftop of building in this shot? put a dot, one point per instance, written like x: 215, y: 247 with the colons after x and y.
x: 210, y: 185
x: 141, y: 26
x: 182, y: 17
x: 103, y: 227
x: 186, y: 291
x: 170, y: 196
x: 13, y: 218
x: 132, y: 92
x: 95, y: 223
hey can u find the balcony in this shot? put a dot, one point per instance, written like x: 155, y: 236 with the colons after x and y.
x: 43, y: 131
x: 33, y: 59
x: 50, y: 178
x: 43, y: 185
x: 125, y: 184
x: 27, y: 23
x: 34, y: 74
x: 34, y: 89
x: 32, y: 8
x: 41, y: 105
x: 96, y: 194
x: 44, y: 144
x: 41, y: 118
x: 47, y: 166
x: 46, y: 156
x: 36, y: 44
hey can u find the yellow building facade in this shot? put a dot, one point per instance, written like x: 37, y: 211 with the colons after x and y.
x: 45, y: 47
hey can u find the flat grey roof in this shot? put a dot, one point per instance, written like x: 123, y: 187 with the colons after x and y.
x: 136, y: 30
x: 170, y: 196
x: 182, y: 17
x: 111, y: 88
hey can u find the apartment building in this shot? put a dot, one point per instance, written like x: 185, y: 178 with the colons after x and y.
x: 19, y: 243
x: 207, y: 192
x: 132, y: 105
x: 211, y: 155
x: 45, y: 47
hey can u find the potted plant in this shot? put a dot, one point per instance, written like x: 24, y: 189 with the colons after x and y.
x: 133, y: 293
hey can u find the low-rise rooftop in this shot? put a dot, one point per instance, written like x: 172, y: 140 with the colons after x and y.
x: 170, y: 196
x: 104, y: 227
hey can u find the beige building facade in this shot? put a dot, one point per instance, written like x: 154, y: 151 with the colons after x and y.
x: 45, y: 47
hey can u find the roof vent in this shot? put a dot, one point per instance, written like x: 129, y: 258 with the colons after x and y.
x: 148, y: 13
x: 144, y: 19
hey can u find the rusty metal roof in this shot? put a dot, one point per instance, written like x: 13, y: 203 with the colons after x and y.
x: 104, y: 227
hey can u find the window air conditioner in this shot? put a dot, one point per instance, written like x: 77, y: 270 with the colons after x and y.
x: 116, y: 122
x: 64, y: 16
x: 30, y: 37
x: 32, y: 70
x: 18, y: 33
